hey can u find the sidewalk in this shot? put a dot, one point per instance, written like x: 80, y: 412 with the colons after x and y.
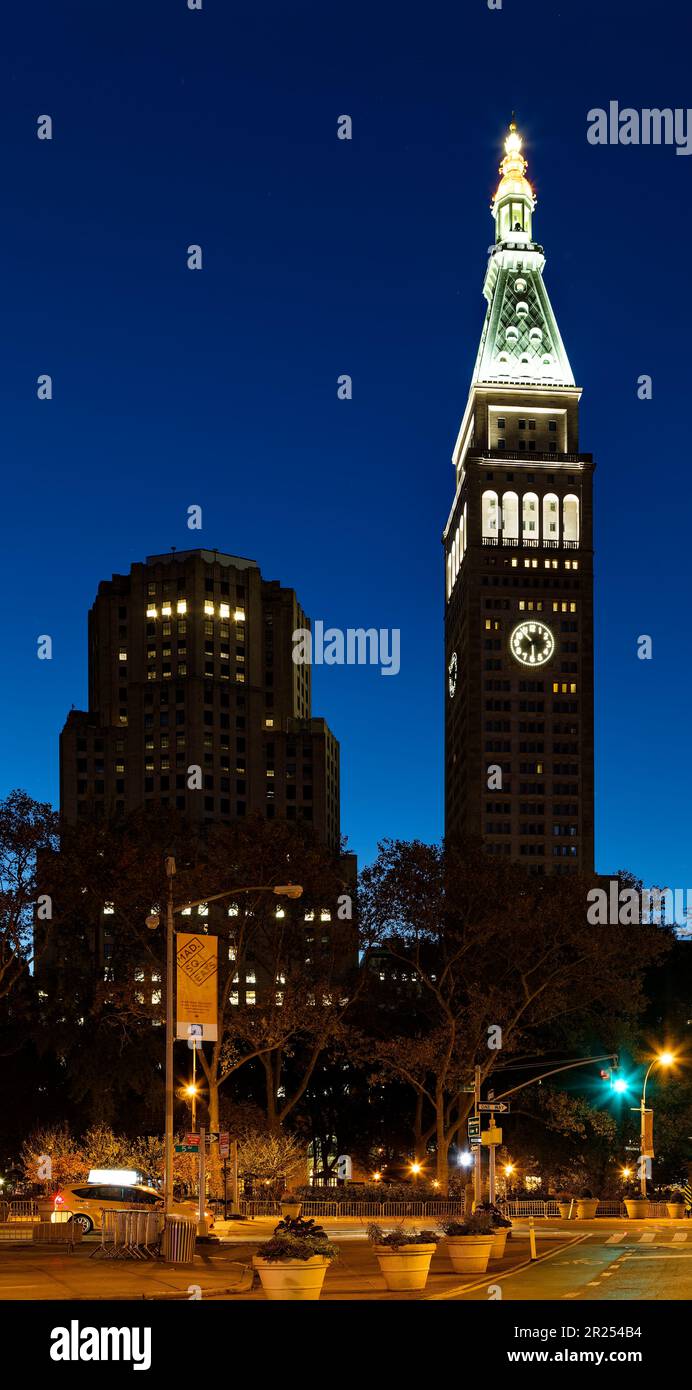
x: 222, y: 1271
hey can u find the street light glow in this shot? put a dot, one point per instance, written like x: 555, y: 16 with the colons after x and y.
x: 465, y: 1160
x: 666, y: 1059
x: 620, y: 1086
x: 416, y: 1168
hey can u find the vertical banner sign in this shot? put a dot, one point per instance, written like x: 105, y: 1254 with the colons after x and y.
x: 648, y: 1135
x: 197, y: 997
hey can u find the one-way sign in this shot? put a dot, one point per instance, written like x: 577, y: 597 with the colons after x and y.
x: 501, y: 1107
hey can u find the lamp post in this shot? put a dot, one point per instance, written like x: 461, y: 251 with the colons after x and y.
x: 664, y: 1059
x: 281, y: 890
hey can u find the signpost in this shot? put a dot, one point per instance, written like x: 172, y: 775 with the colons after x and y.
x: 487, y: 1107
x: 474, y: 1129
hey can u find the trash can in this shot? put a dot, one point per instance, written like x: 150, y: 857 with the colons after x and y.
x: 179, y: 1235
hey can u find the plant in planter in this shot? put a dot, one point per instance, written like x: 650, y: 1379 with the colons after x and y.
x: 636, y: 1206
x: 675, y: 1204
x: 291, y: 1204
x: 501, y: 1228
x: 403, y: 1255
x: 565, y: 1203
x: 587, y: 1205
x: 469, y: 1242
x: 292, y: 1265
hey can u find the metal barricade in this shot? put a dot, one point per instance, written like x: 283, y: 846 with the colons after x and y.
x: 129, y: 1233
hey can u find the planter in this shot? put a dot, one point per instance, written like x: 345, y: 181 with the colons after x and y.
x: 676, y: 1210
x: 497, y: 1248
x: 297, y: 1280
x: 637, y: 1208
x: 470, y: 1254
x: 291, y: 1210
x: 564, y: 1210
x: 405, y: 1267
x: 587, y: 1208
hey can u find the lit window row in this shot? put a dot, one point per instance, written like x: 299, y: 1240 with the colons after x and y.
x: 564, y: 687
x: 209, y: 610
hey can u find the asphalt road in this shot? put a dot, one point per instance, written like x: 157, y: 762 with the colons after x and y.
x: 617, y: 1263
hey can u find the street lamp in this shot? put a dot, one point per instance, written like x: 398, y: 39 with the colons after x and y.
x: 281, y: 890
x: 664, y: 1059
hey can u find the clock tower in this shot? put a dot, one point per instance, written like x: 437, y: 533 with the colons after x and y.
x: 519, y: 572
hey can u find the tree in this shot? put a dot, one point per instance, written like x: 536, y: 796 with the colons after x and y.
x: 304, y: 976
x: 493, y: 959
x: 27, y: 828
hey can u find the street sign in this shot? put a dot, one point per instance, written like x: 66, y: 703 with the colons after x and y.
x: 474, y: 1129
x: 224, y: 1143
x: 502, y: 1107
x: 491, y: 1136
x: 212, y: 1137
x: 469, y: 1089
x: 186, y: 1148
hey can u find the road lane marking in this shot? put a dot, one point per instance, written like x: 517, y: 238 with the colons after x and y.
x: 613, y: 1240
x: 680, y: 1236
x: 483, y: 1283
x: 647, y: 1237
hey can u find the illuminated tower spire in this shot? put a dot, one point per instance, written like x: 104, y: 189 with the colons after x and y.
x: 514, y: 200
x: 521, y: 341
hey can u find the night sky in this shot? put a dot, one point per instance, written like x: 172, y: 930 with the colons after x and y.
x: 324, y: 257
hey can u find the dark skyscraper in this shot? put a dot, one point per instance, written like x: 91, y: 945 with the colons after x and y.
x: 519, y: 572
x: 195, y: 702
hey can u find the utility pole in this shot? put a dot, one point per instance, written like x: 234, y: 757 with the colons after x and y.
x: 168, y: 1143
x: 477, y: 1175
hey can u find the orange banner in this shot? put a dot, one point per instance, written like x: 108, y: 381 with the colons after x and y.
x: 197, y: 987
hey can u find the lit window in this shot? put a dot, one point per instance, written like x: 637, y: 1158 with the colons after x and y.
x: 122, y: 654
x: 309, y: 916
x: 234, y: 996
x: 239, y: 615
x: 224, y: 610
x: 156, y: 996
x: 202, y: 910
x: 165, y: 610
x: 233, y: 910
x: 250, y: 996
x: 181, y: 605
x: 186, y: 911
x: 269, y: 723
x: 280, y: 912
x: 108, y: 909
x: 325, y: 915
x: 209, y: 608
x: 250, y: 978
x: 151, y: 611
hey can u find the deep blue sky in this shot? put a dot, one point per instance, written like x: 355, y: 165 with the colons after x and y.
x: 323, y: 257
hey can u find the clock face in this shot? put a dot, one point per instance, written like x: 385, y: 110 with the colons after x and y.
x: 532, y: 643
x: 452, y: 671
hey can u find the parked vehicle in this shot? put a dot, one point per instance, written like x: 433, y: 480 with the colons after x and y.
x: 86, y: 1201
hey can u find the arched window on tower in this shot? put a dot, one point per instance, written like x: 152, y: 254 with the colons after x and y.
x: 570, y: 517
x: 449, y: 574
x: 489, y: 515
x: 551, y: 517
x: 510, y: 516
x: 529, y: 516
x: 465, y: 524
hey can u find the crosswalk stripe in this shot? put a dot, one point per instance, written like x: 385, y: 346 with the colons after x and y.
x: 615, y: 1240
x: 647, y: 1236
x: 680, y: 1236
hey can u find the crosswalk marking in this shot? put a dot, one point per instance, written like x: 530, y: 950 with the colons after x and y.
x: 615, y: 1239
x: 647, y: 1236
x: 680, y: 1236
